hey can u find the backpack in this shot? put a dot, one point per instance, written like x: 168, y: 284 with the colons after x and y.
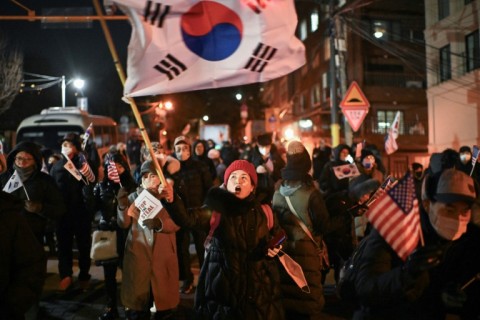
x: 346, y: 279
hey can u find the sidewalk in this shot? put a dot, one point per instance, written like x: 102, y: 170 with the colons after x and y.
x: 76, y: 304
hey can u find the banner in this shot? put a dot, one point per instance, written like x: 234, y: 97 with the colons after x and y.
x: 148, y: 205
x: 186, y: 45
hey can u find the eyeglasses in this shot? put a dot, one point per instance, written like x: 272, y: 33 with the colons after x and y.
x: 23, y: 159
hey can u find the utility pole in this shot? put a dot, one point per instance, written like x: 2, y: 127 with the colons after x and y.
x: 334, y: 126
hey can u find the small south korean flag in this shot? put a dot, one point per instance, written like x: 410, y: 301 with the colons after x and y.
x: 13, y: 183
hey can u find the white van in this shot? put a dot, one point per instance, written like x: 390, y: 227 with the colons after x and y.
x: 49, y: 127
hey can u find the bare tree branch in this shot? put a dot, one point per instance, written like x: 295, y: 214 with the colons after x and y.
x: 11, y: 72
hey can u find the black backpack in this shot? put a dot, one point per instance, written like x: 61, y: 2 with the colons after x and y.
x: 346, y: 280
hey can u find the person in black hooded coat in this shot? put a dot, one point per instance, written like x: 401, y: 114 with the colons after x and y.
x: 329, y: 183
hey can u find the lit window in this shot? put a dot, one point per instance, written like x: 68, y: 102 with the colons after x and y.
x: 303, y: 30
x: 379, y: 29
x: 314, y: 21
x: 385, y: 119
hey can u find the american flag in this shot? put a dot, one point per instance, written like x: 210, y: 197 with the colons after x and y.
x: 474, y: 158
x: 113, y: 172
x: 396, y: 217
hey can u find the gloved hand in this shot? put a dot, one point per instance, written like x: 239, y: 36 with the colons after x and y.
x: 153, y: 224
x: 122, y: 198
x: 422, y: 259
x: 33, y: 206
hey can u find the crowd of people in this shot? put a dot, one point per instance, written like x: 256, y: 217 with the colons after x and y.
x: 268, y: 222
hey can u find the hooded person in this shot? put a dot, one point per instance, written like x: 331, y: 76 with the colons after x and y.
x: 268, y: 165
x: 239, y: 278
x: 465, y: 163
x: 41, y: 197
x: 328, y: 182
x: 415, y: 287
x: 298, y: 193
x: 195, y: 180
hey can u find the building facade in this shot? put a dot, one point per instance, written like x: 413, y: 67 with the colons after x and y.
x: 379, y: 45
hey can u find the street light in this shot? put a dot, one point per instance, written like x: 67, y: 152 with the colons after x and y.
x: 77, y: 83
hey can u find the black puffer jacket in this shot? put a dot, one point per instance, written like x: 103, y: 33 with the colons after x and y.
x: 40, y: 188
x: 22, y: 263
x: 196, y: 182
x: 238, y: 280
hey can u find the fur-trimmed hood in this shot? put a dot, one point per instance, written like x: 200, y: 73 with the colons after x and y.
x: 219, y: 199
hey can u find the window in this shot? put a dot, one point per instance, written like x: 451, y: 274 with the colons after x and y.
x: 314, y: 21
x: 473, y: 50
x: 316, y: 95
x: 303, y: 32
x: 443, y: 9
x: 380, y: 29
x: 445, y: 64
x: 385, y: 119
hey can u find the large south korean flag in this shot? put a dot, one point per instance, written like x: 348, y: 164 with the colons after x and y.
x: 185, y: 45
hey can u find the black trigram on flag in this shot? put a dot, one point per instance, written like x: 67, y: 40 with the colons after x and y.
x: 155, y: 15
x: 170, y: 66
x: 260, y: 57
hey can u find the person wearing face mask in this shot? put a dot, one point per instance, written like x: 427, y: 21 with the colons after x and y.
x: 268, y: 164
x: 464, y: 163
x: 391, y: 288
x: 195, y: 181
x: 150, y: 269
x: 328, y: 182
x: 75, y: 179
x: 239, y: 278
x: 41, y: 198
x: 368, y: 166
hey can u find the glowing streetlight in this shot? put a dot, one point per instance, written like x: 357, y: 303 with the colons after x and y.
x: 206, y: 118
x: 238, y: 96
x: 77, y: 83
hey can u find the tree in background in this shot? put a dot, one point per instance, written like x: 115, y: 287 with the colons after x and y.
x: 11, y: 72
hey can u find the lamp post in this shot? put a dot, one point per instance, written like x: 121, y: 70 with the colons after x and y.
x: 77, y: 83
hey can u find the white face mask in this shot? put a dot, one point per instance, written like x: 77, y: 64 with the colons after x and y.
x: 151, y: 181
x: 264, y: 150
x: 182, y: 151
x: 448, y: 225
x: 465, y: 157
x: 67, y: 151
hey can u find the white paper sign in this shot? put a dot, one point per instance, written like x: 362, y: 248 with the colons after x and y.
x: 70, y: 167
x: 148, y: 205
x: 346, y: 171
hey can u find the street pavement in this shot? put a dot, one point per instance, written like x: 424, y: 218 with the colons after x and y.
x: 77, y: 304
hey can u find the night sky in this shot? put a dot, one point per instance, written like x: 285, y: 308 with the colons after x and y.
x: 84, y: 53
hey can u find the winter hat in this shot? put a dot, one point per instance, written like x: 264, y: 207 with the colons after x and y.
x: 361, y: 186
x: 298, y: 162
x: 454, y: 185
x: 465, y: 149
x: 265, y: 139
x: 181, y: 139
x: 241, y: 165
x: 74, y: 139
x: 416, y: 166
x: 148, y: 167
x: 365, y: 153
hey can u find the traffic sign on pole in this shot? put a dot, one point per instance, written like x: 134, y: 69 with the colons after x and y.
x: 355, y: 106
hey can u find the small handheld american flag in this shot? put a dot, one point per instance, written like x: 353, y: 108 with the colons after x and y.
x: 86, y: 135
x: 396, y: 217
x: 475, y: 152
x: 112, y: 171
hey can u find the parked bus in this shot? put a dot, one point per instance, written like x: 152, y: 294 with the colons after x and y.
x: 49, y: 127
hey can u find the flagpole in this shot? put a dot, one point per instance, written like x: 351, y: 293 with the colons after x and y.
x: 26, y: 193
x: 121, y: 74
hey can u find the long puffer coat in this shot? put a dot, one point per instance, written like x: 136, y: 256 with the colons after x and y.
x: 238, y: 280
x: 308, y: 203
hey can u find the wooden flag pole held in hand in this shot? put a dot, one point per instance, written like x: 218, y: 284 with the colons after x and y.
x: 121, y: 74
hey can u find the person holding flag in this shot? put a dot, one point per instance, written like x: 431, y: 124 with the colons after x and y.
x: 400, y: 270
x: 75, y: 179
x: 41, y: 198
x: 116, y: 175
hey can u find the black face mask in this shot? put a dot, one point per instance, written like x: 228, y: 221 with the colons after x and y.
x: 418, y: 175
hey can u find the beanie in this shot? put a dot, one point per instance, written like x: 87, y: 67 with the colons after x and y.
x: 74, y: 139
x: 265, y: 139
x: 148, y: 167
x: 298, y: 162
x: 365, y: 153
x: 243, y: 165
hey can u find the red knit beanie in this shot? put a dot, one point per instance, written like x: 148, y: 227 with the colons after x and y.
x: 243, y: 165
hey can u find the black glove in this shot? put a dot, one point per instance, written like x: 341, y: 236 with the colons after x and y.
x: 122, y: 198
x: 422, y: 259
x: 154, y: 224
